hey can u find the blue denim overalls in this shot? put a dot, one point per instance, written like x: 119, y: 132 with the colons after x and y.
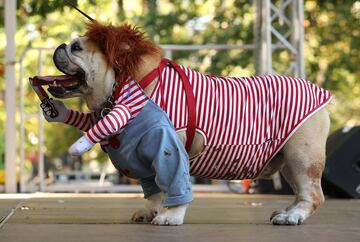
x: 151, y: 151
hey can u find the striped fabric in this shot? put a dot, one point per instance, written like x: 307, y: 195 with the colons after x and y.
x: 110, y: 124
x: 82, y: 121
x: 245, y: 121
x: 129, y: 100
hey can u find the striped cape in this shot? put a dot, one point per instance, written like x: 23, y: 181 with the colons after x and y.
x: 245, y: 121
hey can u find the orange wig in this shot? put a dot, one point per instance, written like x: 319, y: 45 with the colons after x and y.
x: 123, y: 46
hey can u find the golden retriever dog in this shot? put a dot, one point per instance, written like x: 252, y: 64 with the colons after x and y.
x: 106, y: 55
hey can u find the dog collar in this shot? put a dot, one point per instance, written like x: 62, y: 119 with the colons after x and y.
x: 108, y: 105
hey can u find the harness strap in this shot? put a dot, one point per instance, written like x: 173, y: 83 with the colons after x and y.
x: 190, y: 99
x: 154, y: 73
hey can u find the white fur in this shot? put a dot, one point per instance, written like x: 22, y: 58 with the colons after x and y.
x: 152, y: 208
x: 294, y: 216
x: 171, y: 216
x: 154, y: 213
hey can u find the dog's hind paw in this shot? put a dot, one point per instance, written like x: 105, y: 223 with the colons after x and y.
x: 277, y: 212
x: 144, y: 215
x: 288, y: 218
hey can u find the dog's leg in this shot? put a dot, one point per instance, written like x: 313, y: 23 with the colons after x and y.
x: 308, y: 195
x: 304, y: 157
x: 162, y: 149
x: 171, y: 216
x: 152, y: 208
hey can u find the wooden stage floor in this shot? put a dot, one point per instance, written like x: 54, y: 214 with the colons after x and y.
x: 211, y: 217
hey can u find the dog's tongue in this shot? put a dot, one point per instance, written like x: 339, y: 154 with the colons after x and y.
x: 62, y: 80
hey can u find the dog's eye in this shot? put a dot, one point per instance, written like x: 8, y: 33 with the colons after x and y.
x: 76, y: 46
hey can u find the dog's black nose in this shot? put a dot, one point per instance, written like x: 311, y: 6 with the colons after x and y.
x: 60, y: 47
x: 60, y: 58
x: 63, y: 45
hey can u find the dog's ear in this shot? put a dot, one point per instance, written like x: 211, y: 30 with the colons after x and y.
x: 122, y: 45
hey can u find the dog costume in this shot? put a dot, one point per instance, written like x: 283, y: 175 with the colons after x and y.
x: 142, y: 143
x: 128, y: 101
x: 244, y: 121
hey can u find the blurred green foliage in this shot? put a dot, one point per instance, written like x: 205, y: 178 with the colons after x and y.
x: 331, y: 47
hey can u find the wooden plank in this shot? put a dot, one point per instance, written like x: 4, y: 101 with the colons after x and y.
x: 204, y: 210
x: 6, y: 207
x: 211, y: 217
x: 186, y: 233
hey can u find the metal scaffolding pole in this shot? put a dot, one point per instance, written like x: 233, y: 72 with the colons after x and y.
x: 279, y: 27
x: 263, y: 38
x: 10, y: 97
x: 41, y: 165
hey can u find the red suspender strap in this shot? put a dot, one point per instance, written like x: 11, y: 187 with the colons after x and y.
x: 154, y: 73
x: 190, y: 99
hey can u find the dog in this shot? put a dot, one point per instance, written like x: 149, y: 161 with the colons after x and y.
x: 108, y: 54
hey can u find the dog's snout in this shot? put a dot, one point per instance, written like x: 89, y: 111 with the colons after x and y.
x: 63, y: 62
x: 60, y: 47
x: 60, y: 50
x: 60, y: 57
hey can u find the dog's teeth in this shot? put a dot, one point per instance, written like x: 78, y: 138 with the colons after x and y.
x: 54, y: 84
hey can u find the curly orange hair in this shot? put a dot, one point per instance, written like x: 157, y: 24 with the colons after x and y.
x: 122, y: 45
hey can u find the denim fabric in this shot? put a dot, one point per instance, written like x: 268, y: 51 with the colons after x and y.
x: 151, y: 151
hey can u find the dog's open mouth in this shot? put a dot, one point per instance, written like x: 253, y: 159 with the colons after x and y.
x: 72, y: 84
x: 62, y: 86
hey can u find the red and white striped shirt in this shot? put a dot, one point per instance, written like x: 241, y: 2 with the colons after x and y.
x: 245, y: 121
x: 129, y: 100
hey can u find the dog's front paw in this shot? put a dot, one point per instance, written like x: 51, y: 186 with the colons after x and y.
x: 164, y: 219
x: 144, y: 215
x: 170, y: 216
x: 291, y: 217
